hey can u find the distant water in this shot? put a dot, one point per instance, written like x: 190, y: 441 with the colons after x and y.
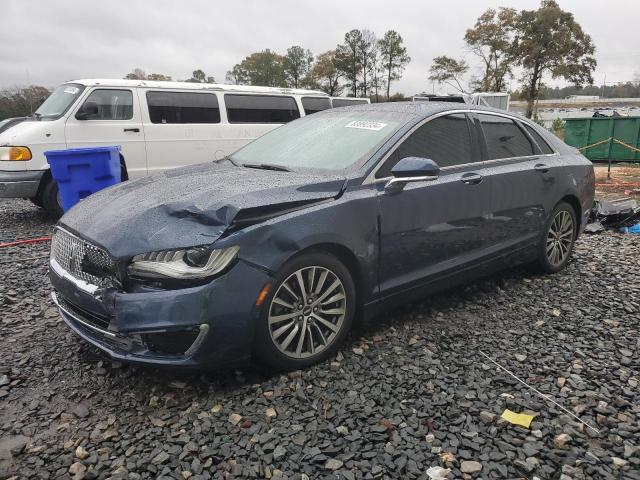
x: 548, y: 115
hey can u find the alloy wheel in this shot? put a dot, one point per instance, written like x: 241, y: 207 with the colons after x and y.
x: 307, y: 312
x: 559, y: 238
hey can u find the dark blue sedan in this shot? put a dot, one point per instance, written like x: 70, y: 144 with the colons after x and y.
x: 273, y: 252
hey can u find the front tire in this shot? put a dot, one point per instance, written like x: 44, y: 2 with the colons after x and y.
x: 51, y: 199
x: 307, y: 314
x: 558, y: 240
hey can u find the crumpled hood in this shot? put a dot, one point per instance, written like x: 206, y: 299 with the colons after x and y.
x: 188, y: 206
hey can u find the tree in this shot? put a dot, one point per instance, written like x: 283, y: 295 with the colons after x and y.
x: 393, y: 57
x: 368, y: 51
x: 446, y: 69
x: 21, y: 101
x: 198, y: 76
x: 550, y: 41
x: 297, y: 63
x: 264, y: 68
x: 348, y: 60
x: 490, y: 39
x: 159, y: 77
x: 237, y: 75
x: 136, y: 74
x: 324, y: 75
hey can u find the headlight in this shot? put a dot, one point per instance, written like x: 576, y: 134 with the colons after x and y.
x: 20, y: 154
x: 194, y: 263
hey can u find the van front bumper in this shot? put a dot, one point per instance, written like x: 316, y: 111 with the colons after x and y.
x: 20, y: 184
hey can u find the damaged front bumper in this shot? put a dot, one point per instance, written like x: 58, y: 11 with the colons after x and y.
x: 210, y: 326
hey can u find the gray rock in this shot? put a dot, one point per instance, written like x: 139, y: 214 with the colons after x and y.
x: 469, y: 466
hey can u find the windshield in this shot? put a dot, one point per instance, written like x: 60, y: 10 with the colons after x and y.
x: 329, y: 141
x: 60, y: 100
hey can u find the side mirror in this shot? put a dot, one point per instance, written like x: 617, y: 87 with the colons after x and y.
x: 412, y: 169
x: 88, y: 109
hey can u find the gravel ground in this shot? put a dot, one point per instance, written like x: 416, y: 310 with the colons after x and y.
x: 410, y: 393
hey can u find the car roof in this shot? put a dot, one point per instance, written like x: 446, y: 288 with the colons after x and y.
x: 112, y: 82
x: 425, y: 109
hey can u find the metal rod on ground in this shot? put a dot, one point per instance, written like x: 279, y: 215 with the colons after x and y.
x: 546, y: 397
x: 25, y: 242
x: 17, y: 260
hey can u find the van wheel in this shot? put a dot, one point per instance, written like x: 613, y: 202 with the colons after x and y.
x: 51, y: 199
x: 559, y: 237
x: 37, y: 200
x: 307, y: 314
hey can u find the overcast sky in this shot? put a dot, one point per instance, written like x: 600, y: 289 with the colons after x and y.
x: 47, y: 42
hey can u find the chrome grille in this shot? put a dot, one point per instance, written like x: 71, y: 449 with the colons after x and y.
x: 79, y: 258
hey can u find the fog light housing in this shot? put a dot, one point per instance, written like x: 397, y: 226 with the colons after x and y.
x: 172, y: 343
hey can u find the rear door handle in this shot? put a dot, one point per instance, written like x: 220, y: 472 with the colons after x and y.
x: 471, y: 178
x: 542, y: 167
x: 131, y: 129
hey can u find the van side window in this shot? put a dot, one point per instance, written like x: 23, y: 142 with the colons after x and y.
x: 445, y: 140
x: 112, y: 104
x: 260, y: 108
x: 182, y: 107
x: 542, y: 143
x: 345, y: 102
x: 504, y: 138
x: 315, y: 104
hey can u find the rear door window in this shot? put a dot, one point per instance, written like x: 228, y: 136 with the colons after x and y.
x: 445, y: 140
x: 542, y: 143
x: 260, y: 108
x: 112, y: 104
x: 183, y: 107
x: 504, y: 138
x: 345, y: 102
x: 315, y: 104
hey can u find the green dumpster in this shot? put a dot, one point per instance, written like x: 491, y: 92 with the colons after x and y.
x: 615, y: 138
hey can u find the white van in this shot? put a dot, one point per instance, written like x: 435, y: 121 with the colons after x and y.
x: 158, y: 125
x: 348, y: 101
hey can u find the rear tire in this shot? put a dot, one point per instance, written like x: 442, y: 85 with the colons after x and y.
x: 556, y: 244
x: 51, y: 199
x: 297, y: 327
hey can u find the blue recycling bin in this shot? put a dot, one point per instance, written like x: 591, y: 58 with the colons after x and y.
x: 80, y: 172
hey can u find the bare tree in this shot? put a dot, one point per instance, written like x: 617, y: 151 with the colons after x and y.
x: 447, y: 70
x: 324, y: 75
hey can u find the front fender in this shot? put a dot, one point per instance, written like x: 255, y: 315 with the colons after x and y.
x: 349, y: 223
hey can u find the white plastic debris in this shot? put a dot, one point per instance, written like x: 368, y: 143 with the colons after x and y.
x: 438, y: 473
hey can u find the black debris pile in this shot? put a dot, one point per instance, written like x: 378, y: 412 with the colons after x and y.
x: 410, y: 398
x: 618, y: 214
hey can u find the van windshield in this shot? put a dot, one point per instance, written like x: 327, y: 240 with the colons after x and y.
x: 59, y: 101
x: 326, y: 141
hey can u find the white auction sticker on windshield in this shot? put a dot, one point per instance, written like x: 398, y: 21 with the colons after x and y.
x: 365, y: 125
x: 71, y: 90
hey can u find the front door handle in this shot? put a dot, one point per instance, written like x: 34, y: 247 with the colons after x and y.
x: 471, y: 178
x: 542, y: 167
x: 132, y: 130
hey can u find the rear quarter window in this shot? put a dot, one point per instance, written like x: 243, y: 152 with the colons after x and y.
x: 260, y: 108
x: 542, y: 143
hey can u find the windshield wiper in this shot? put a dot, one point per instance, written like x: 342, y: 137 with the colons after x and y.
x: 37, y: 115
x: 226, y: 157
x: 267, y: 166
